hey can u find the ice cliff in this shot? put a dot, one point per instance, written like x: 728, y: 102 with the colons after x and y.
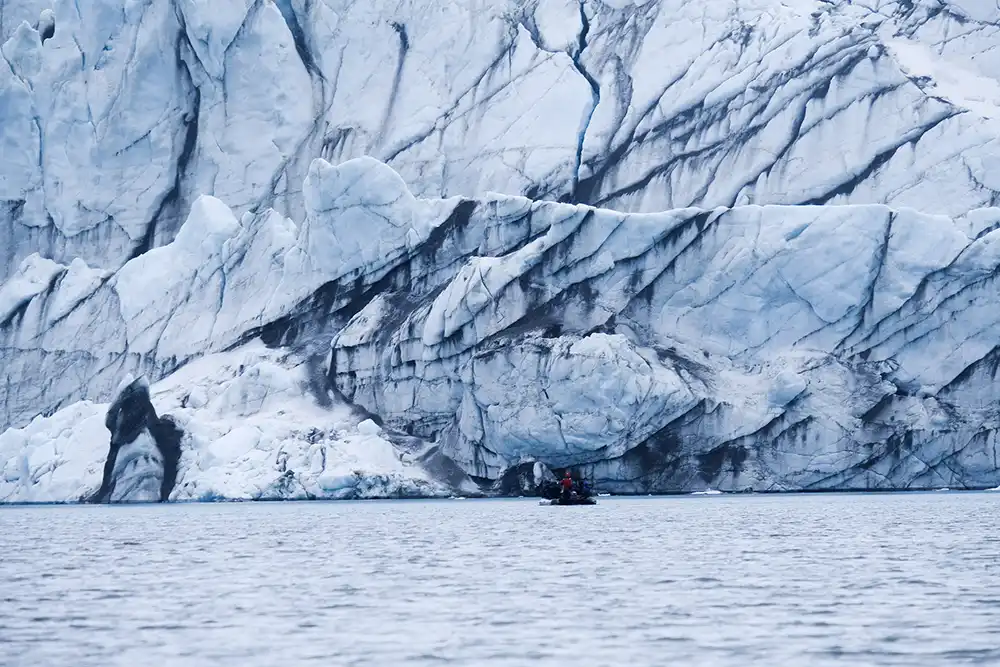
x: 739, y: 245
x: 117, y: 115
x: 247, y: 427
x: 755, y: 347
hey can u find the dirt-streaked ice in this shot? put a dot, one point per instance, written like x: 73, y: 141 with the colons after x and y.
x: 672, y: 245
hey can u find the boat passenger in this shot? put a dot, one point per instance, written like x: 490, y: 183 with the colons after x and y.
x: 567, y: 486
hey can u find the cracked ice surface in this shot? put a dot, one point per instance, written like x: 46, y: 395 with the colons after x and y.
x: 770, y: 347
x: 251, y: 431
x: 128, y: 112
x: 774, y: 347
x: 218, y: 280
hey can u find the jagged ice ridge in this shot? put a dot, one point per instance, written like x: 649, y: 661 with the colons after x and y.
x: 117, y: 116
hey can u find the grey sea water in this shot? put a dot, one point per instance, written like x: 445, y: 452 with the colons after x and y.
x: 902, y: 579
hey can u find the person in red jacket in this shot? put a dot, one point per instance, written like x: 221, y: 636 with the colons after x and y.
x: 566, y: 483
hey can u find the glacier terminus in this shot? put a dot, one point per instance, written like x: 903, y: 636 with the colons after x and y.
x: 270, y: 249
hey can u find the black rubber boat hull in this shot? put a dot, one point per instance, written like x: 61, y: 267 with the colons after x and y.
x: 582, y: 501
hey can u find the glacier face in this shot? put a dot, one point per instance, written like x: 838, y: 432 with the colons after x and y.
x: 247, y: 425
x: 754, y: 347
x: 706, y: 268
x: 120, y: 116
x: 769, y: 347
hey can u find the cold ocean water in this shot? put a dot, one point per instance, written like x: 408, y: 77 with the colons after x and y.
x: 902, y: 579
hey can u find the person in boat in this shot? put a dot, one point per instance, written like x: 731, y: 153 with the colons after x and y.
x: 583, y: 488
x: 566, y: 484
x: 553, y: 489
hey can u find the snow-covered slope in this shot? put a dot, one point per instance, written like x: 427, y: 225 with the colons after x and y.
x: 755, y: 347
x: 117, y: 115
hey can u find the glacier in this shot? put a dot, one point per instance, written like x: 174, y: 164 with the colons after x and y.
x: 351, y: 250
x: 756, y: 347
x: 118, y: 115
x: 247, y: 428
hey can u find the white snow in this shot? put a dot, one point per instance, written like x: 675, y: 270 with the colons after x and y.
x: 368, y: 427
x: 55, y: 459
x: 949, y: 80
x: 77, y: 284
x: 32, y: 278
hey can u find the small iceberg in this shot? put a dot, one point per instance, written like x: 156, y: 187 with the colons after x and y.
x: 994, y: 489
x: 707, y: 492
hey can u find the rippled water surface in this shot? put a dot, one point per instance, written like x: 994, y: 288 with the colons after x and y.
x: 909, y: 579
